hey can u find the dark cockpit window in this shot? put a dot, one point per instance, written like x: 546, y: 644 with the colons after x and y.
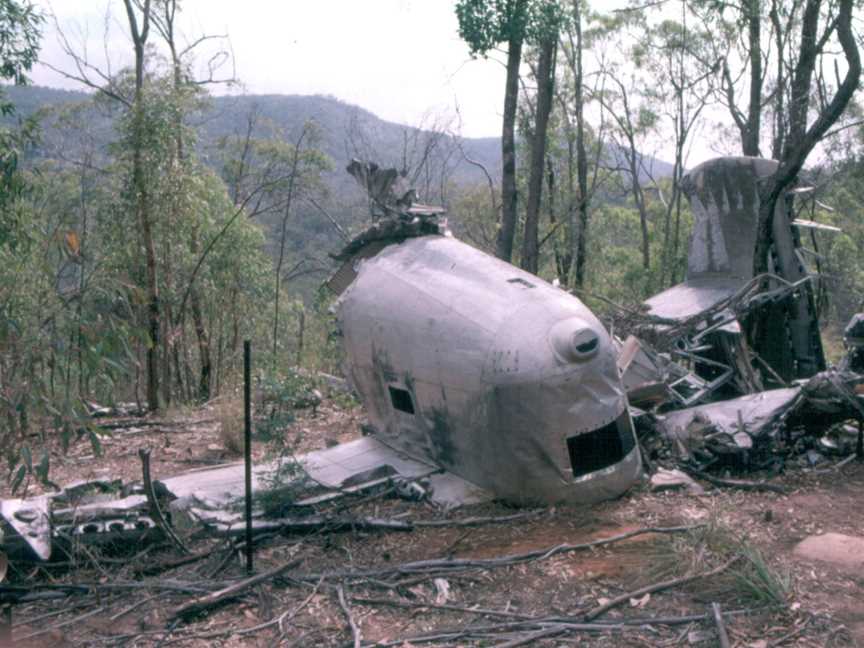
x: 401, y: 400
x: 521, y: 282
x: 601, y: 448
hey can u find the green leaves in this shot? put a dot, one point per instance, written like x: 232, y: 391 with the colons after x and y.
x: 19, y: 39
x: 483, y: 24
x: 22, y: 467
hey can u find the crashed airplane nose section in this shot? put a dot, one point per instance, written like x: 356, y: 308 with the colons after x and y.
x: 490, y: 372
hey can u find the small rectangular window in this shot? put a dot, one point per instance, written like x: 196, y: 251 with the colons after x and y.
x: 601, y: 448
x: 401, y: 400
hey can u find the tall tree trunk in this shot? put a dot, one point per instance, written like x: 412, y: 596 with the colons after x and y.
x: 507, y: 231
x: 142, y: 201
x: 204, y: 388
x: 800, y: 140
x: 750, y: 136
x: 780, y: 91
x: 633, y: 158
x: 295, y: 164
x: 581, y: 155
x: 545, y: 90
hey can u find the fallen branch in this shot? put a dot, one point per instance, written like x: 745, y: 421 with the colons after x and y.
x: 478, y: 521
x: 355, y: 631
x: 836, y: 466
x: 722, y: 636
x: 155, y: 568
x: 452, y: 634
x: 84, y: 588
x: 531, y: 637
x: 558, y: 625
x: 232, y: 591
x: 342, y: 523
x: 133, y: 607
x: 790, y: 635
x: 460, y: 564
x: 64, y: 624
x: 278, y: 621
x: 736, y: 483
x: 435, y: 606
x: 155, y: 510
x: 656, y: 587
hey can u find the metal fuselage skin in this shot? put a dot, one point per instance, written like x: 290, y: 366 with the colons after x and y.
x: 489, y: 372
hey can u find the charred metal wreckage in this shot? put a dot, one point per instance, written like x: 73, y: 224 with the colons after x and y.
x: 482, y: 381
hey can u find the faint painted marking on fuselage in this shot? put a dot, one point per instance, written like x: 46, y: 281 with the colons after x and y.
x: 440, y: 436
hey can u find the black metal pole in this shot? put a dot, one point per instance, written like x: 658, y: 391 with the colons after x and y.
x: 247, y: 446
x: 859, y: 450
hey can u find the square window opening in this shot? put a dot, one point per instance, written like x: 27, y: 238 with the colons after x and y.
x: 601, y: 448
x: 401, y: 400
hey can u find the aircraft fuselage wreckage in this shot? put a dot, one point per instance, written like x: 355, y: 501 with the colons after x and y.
x: 487, y: 371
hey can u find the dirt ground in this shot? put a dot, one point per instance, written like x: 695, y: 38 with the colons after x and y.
x: 130, y: 597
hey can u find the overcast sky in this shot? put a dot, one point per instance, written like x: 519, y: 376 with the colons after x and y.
x: 400, y: 59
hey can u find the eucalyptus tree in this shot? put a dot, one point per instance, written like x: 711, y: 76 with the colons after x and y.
x: 816, y: 102
x: 544, y: 30
x: 20, y: 25
x: 483, y: 24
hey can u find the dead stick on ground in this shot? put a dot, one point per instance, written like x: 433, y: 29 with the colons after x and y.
x: 737, y: 483
x: 442, y: 565
x: 790, y: 635
x: 278, y: 621
x: 657, y: 587
x: 133, y: 607
x: 722, y: 635
x: 355, y: 631
x: 60, y: 625
x: 155, y: 511
x: 433, y: 606
x: 155, y: 568
x: 232, y: 591
x: 532, y: 637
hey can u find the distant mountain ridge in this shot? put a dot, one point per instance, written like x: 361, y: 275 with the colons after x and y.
x: 227, y: 115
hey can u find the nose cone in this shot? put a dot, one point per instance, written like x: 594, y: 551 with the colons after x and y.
x: 574, y: 340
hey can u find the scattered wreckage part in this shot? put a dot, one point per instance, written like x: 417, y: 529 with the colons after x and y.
x: 208, y: 496
x: 118, y: 409
x: 724, y: 196
x: 469, y: 363
x: 713, y: 341
x: 716, y: 427
x: 812, y: 225
x: 691, y: 388
x: 751, y: 423
x: 671, y: 479
x: 31, y: 521
x: 853, y: 338
x: 413, y: 490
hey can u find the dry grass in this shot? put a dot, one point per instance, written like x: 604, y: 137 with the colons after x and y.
x: 228, y: 412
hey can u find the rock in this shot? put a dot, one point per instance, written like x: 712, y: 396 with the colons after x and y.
x: 665, y: 479
x: 837, y: 548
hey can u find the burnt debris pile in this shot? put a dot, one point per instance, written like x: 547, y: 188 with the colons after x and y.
x: 727, y: 369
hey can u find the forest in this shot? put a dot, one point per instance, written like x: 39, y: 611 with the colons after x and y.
x: 149, y: 224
